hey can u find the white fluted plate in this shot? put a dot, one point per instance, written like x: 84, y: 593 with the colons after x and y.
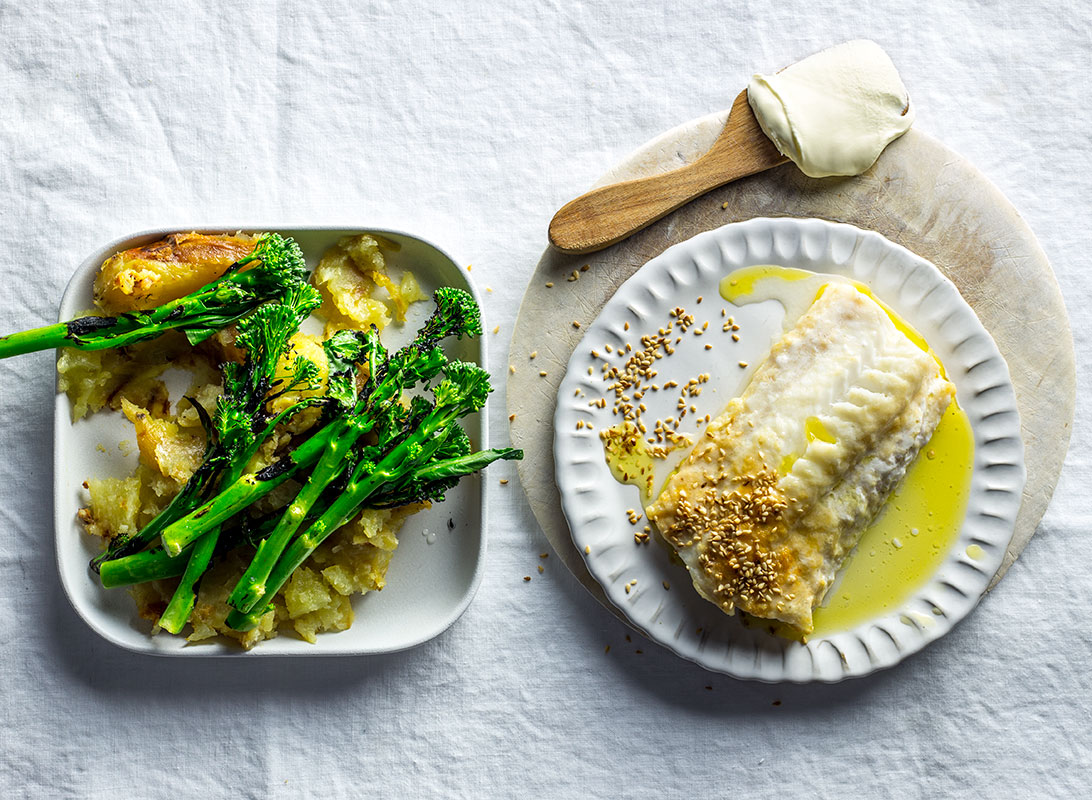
x: 595, y: 505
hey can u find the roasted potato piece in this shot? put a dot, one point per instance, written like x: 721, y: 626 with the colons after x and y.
x: 149, y: 276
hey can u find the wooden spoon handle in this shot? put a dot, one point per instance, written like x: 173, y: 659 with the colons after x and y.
x: 609, y: 214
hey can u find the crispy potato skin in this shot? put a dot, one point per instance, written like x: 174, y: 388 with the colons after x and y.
x: 145, y: 277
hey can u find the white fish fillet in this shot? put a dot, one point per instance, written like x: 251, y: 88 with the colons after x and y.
x: 779, y: 489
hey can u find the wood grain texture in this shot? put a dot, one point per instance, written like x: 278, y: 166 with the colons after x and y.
x: 608, y: 214
x: 919, y: 194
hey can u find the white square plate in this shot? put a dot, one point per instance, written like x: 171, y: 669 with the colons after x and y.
x: 434, y: 572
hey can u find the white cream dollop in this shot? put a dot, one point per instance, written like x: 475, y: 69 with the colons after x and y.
x: 834, y: 112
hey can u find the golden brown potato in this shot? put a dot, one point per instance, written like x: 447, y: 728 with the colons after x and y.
x: 149, y: 276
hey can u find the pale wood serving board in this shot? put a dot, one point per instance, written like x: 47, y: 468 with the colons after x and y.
x: 919, y: 194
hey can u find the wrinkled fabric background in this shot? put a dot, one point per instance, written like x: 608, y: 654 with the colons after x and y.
x: 472, y: 124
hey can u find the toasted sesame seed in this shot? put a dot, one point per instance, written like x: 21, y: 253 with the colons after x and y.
x: 576, y: 324
x: 549, y: 286
x: 606, y: 649
x: 587, y: 549
x: 709, y: 347
x: 511, y: 417
x: 735, y: 337
x: 496, y: 329
x: 526, y: 578
x: 723, y: 206
x: 585, y: 268
x: 543, y: 555
x: 511, y: 369
x: 542, y: 373
x: 534, y: 354
x: 541, y: 569
x: 743, y: 363
x: 667, y: 586
x: 625, y: 326
x: 503, y: 481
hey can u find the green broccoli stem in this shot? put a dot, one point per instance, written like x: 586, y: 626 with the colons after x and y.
x: 251, y: 586
x: 31, y: 341
x: 344, y: 433
x: 149, y: 565
x: 237, y: 495
x: 177, y: 614
x: 344, y: 507
x: 365, y: 479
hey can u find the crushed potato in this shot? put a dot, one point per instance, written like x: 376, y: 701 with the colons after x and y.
x: 348, y: 276
x: 171, y: 443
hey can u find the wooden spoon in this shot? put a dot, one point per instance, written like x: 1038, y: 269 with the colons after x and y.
x: 609, y: 214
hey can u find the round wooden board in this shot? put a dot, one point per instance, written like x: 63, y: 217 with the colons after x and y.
x: 919, y: 194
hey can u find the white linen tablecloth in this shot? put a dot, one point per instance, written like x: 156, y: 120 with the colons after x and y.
x: 471, y: 124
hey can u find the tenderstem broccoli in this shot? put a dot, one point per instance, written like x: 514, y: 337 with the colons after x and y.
x: 274, y: 266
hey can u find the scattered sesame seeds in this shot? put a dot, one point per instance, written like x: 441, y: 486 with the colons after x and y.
x: 579, y: 424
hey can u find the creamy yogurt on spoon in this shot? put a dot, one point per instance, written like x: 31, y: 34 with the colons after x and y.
x: 834, y: 112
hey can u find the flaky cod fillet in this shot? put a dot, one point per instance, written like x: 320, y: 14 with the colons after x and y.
x: 776, y: 494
